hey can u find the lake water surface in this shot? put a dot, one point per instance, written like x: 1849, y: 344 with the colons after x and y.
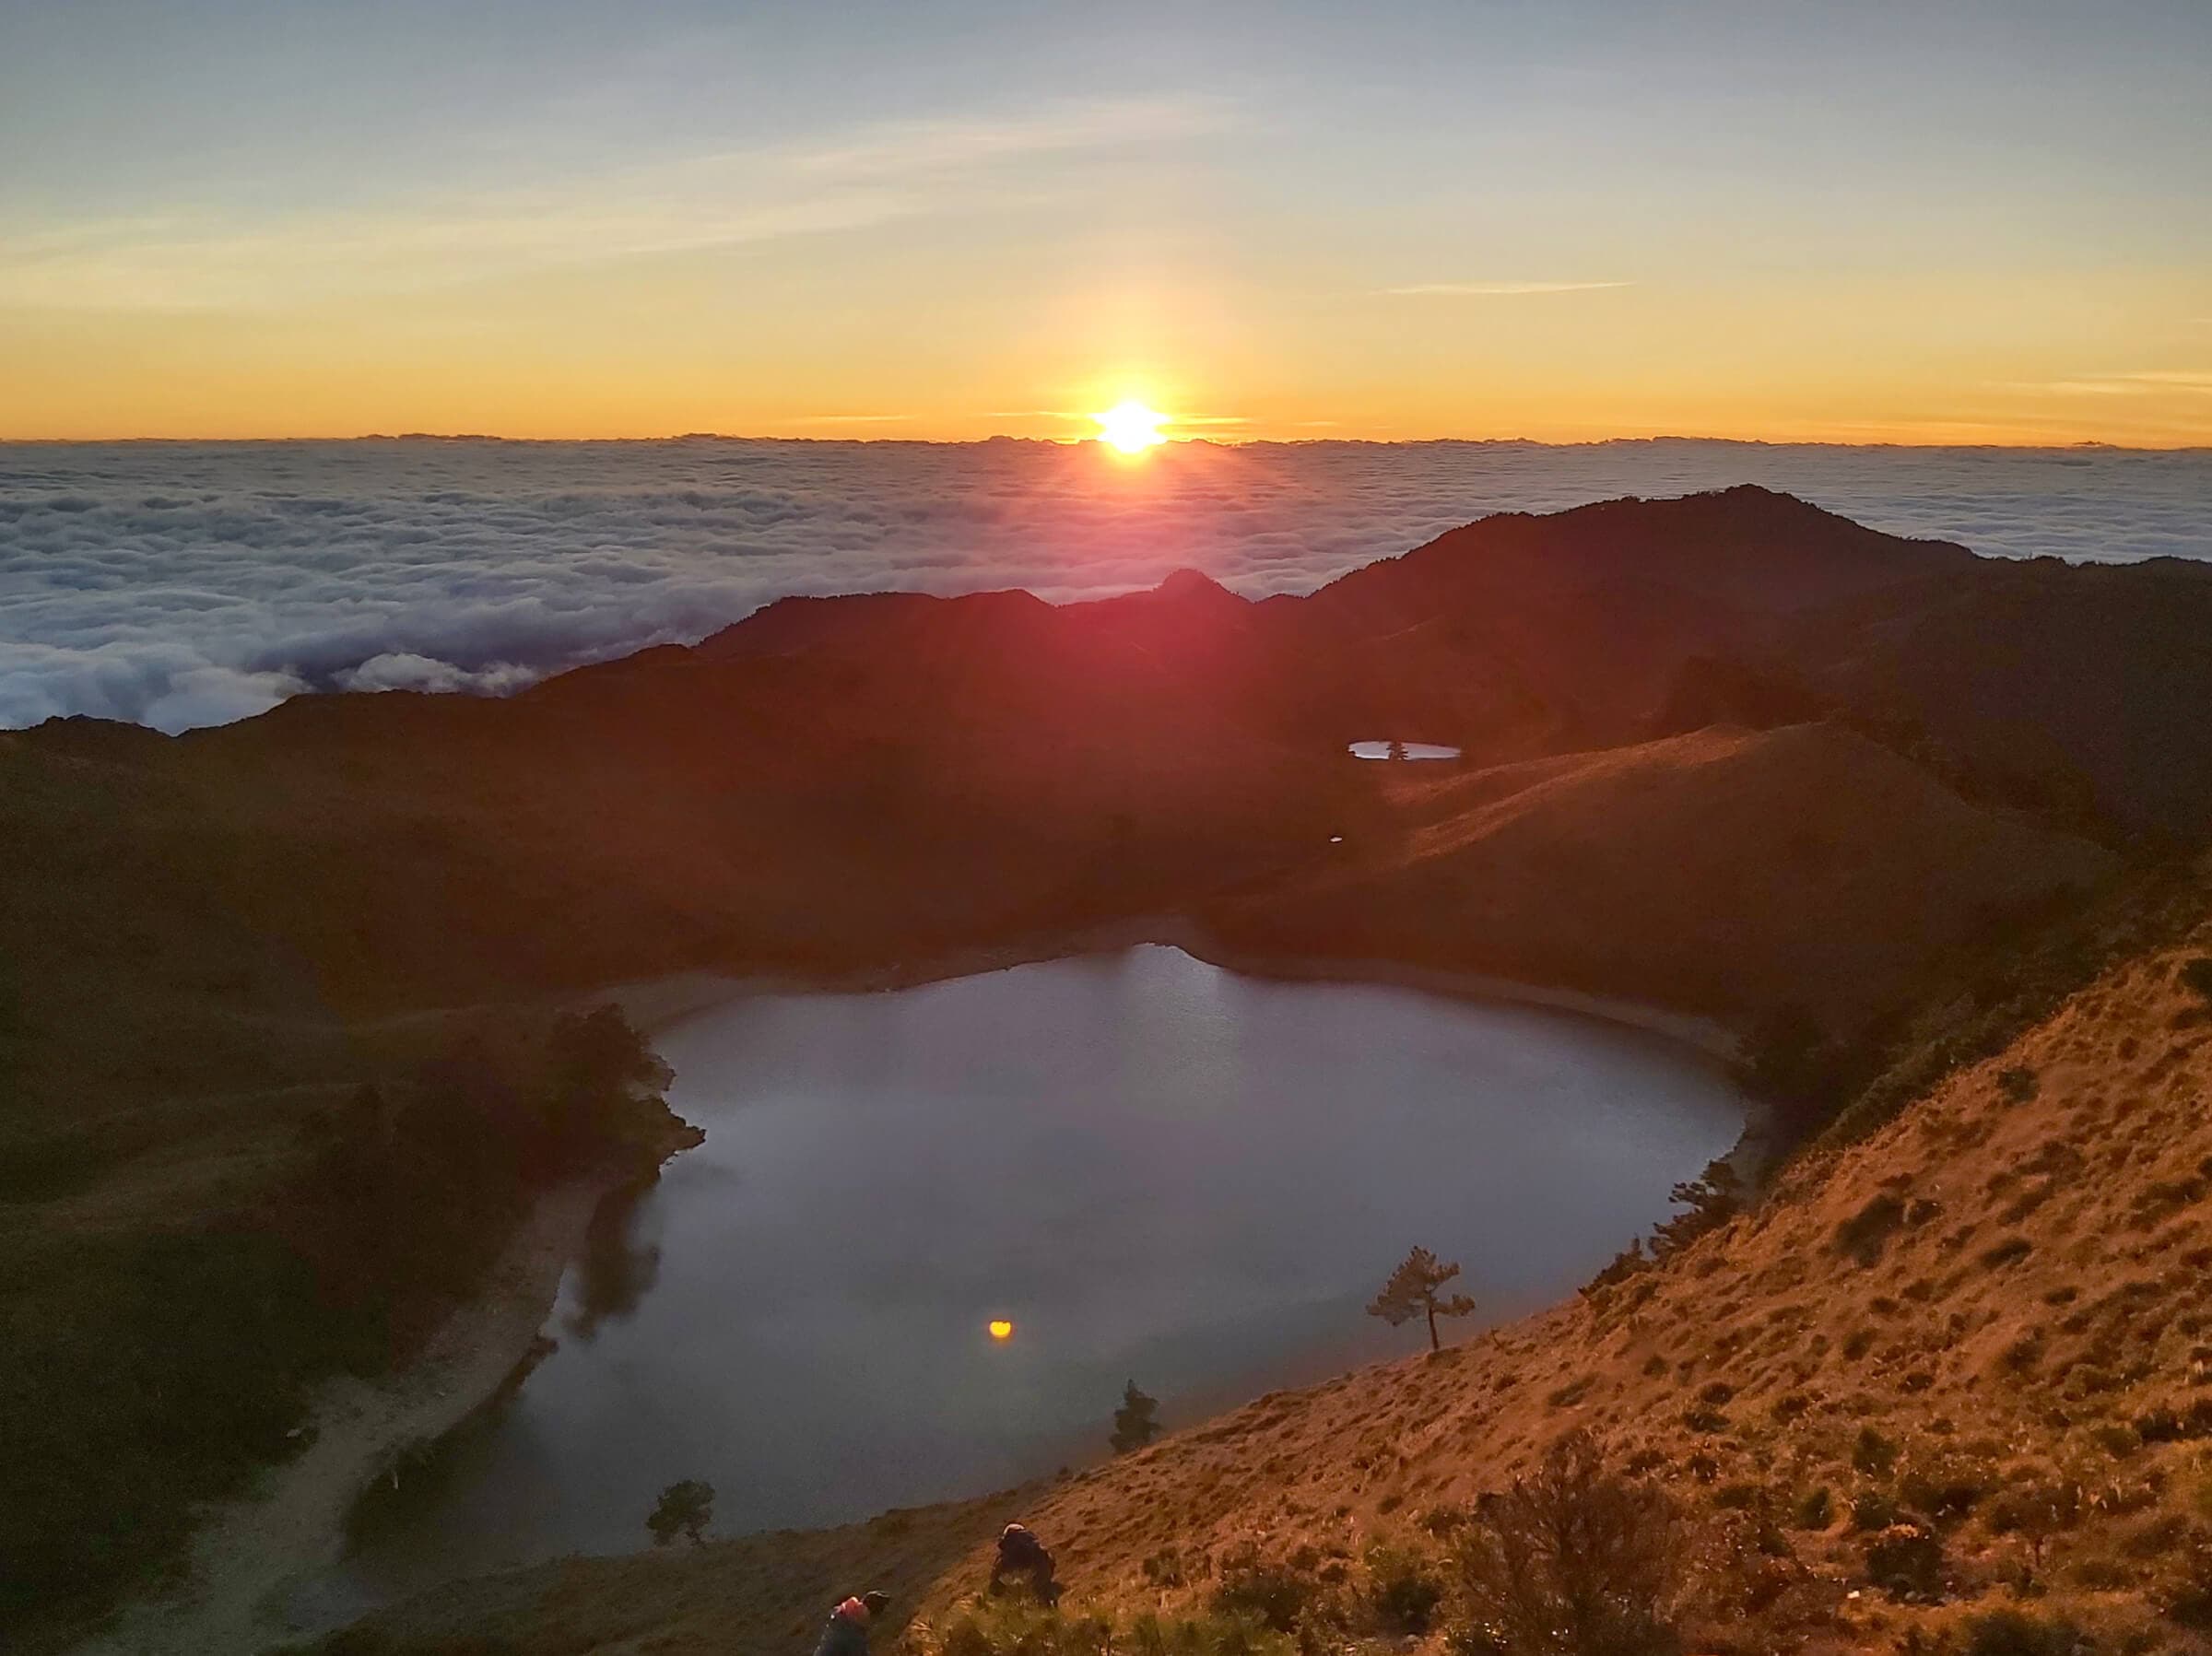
x: 1155, y: 1167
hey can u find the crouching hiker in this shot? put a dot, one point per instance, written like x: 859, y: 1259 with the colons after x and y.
x: 847, y: 1634
x: 1021, y: 1555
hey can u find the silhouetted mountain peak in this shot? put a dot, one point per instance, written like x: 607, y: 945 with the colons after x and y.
x: 1187, y: 586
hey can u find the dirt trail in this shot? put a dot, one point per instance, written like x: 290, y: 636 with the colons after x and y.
x: 251, y: 1554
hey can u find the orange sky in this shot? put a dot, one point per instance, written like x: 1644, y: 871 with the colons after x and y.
x: 1444, y: 221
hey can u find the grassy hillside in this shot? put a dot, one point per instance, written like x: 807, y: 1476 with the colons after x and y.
x: 1702, y: 871
x: 1950, y: 1388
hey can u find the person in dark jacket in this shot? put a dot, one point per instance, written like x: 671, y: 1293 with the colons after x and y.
x: 1020, y: 1554
x: 847, y: 1634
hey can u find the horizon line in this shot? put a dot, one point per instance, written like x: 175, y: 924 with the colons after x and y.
x: 2203, y: 446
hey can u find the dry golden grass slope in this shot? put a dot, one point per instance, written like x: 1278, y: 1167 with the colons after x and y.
x: 1991, y: 1318
x: 1714, y: 872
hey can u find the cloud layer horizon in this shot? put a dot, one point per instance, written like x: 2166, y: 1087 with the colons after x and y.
x: 178, y: 585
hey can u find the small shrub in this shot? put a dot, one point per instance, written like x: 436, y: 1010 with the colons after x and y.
x: 1946, y: 1487
x: 2011, y: 1251
x: 1404, y: 1589
x: 1862, y: 1235
x: 2198, y: 975
x: 1443, y: 1520
x: 1571, y: 1561
x: 1271, y: 1594
x: 1571, y: 1393
x: 2116, y: 1438
x: 2023, y: 1353
x: 2155, y: 1537
x: 1872, y: 1454
x: 1019, y: 1628
x: 1816, y: 1510
x: 2035, y: 1511
x: 1905, y: 1560
x: 2017, y: 1086
x: 2186, y: 1599
x: 2160, y: 1424
x: 2012, y: 1633
x: 1871, y: 1510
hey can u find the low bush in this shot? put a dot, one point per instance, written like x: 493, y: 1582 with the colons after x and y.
x: 1863, y: 1236
x: 1872, y: 1509
x: 2035, y: 1511
x: 1572, y: 1561
x: 1816, y: 1510
x: 1270, y: 1593
x: 1872, y: 1454
x: 2014, y: 1633
x: 1906, y: 1561
x: 1946, y: 1486
x: 1403, y: 1589
x: 1018, y: 1627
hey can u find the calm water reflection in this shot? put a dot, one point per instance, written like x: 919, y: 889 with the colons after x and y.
x: 1156, y: 1169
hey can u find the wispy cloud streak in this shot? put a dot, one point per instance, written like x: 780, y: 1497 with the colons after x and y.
x: 1496, y: 290
x: 871, y: 175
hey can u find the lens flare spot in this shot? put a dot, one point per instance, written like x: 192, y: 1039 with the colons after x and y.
x: 1001, y: 1329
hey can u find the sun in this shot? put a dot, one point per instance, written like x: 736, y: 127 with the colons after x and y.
x: 1130, y: 427
x: 1001, y: 1328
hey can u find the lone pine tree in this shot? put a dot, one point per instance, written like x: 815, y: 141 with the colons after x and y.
x: 685, y: 1509
x: 1135, y: 1423
x: 1411, y: 1291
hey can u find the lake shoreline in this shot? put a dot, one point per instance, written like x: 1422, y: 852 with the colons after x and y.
x: 654, y: 1003
x: 254, y: 1552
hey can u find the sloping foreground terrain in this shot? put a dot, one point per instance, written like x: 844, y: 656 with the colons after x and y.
x: 1947, y: 1387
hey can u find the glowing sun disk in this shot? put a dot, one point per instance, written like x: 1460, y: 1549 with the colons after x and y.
x: 1130, y: 427
x: 1001, y: 1329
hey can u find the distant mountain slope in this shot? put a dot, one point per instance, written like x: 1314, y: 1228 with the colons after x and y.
x: 864, y: 781
x: 1699, y: 871
x: 2089, y: 675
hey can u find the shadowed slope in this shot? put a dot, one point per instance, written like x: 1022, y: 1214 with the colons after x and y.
x: 1697, y: 872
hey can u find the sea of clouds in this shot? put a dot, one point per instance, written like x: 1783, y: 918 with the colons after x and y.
x: 185, y: 584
